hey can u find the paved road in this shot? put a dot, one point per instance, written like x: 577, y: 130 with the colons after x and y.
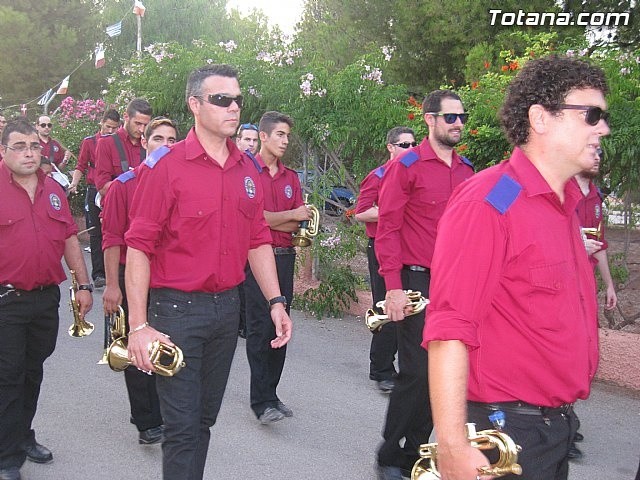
x: 83, y: 416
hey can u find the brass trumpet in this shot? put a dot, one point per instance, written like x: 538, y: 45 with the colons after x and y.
x: 594, y: 232
x: 115, y: 327
x: 166, y: 359
x: 426, y: 467
x: 374, y: 321
x: 308, y: 228
x: 80, y: 327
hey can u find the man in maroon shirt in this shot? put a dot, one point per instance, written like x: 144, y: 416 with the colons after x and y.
x: 247, y: 138
x: 143, y: 398
x: 51, y: 149
x: 384, y: 343
x: 283, y: 211
x: 414, y: 191
x: 512, y: 330
x: 37, y: 231
x: 122, y: 151
x: 86, y: 165
x: 196, y: 218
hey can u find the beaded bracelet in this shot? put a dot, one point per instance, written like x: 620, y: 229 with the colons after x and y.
x: 138, y: 328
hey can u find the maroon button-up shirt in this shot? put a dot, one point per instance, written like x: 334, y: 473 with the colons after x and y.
x: 52, y: 150
x: 369, y: 196
x: 108, y: 164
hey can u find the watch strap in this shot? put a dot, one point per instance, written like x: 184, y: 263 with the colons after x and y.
x: 280, y: 299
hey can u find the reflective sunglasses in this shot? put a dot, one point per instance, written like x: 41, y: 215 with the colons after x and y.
x: 220, y: 100
x: 592, y: 114
x: 23, y: 147
x: 46, y: 125
x: 450, y: 118
x: 247, y: 126
x: 405, y: 144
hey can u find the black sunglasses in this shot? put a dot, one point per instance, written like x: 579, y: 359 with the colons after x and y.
x: 45, y: 125
x: 221, y: 100
x: 593, y: 114
x: 405, y: 144
x: 450, y: 118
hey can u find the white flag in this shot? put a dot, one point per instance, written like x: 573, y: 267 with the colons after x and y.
x: 115, y: 29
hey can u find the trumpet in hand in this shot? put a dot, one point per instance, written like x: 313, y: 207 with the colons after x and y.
x: 416, y: 302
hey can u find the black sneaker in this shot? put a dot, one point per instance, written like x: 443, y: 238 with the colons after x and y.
x: 386, y: 386
x: 38, y: 453
x: 270, y: 415
x: 286, y: 411
x: 151, y: 436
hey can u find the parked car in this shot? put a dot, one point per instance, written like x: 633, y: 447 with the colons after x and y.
x: 338, y: 193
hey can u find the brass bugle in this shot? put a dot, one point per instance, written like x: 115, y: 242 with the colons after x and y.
x: 114, y: 327
x: 308, y: 228
x: 426, y: 467
x: 593, y: 231
x: 80, y: 327
x: 167, y: 360
x: 374, y: 321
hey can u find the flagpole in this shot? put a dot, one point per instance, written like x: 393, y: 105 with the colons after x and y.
x: 139, y: 46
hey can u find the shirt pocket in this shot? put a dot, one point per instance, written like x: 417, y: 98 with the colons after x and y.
x: 10, y: 223
x: 432, y: 203
x: 57, y: 227
x: 547, y: 297
x: 198, y: 218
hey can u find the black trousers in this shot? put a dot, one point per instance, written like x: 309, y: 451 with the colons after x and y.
x: 545, y: 441
x: 205, y: 327
x: 409, y: 410
x: 92, y: 215
x: 141, y: 388
x: 28, y: 333
x: 266, y: 363
x: 384, y: 343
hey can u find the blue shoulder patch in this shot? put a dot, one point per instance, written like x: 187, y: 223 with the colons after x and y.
x: 504, y: 193
x: 89, y: 136
x: 254, y: 160
x: 126, y: 176
x: 156, y: 155
x: 379, y: 172
x: 468, y: 162
x: 409, y: 158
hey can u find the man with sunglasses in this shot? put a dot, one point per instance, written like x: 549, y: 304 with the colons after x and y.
x: 384, y: 343
x: 196, y: 219
x: 513, y: 321
x: 247, y: 138
x: 37, y: 231
x: 86, y: 165
x: 122, y: 151
x: 51, y: 149
x: 161, y: 132
x: 414, y: 191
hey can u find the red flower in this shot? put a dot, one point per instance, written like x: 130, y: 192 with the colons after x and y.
x: 513, y: 66
x: 474, y: 131
x: 486, y: 65
x: 474, y: 85
x: 350, y: 213
x: 532, y: 54
x: 411, y: 116
x: 462, y: 148
x: 504, y: 68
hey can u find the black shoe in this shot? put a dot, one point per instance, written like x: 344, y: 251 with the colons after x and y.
x: 38, y: 453
x: 385, y: 386
x: 151, y: 436
x: 386, y: 472
x: 578, y: 437
x: 574, y: 452
x: 282, y: 408
x: 99, y: 282
x: 270, y: 415
x: 11, y: 473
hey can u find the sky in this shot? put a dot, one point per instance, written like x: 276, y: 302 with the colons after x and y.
x: 285, y: 13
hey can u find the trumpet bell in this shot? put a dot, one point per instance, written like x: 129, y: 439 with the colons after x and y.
x: 166, y: 359
x: 81, y: 329
x: 416, y: 302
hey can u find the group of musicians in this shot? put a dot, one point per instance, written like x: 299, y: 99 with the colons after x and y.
x: 191, y: 219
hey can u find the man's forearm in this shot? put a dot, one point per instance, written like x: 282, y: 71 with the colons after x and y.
x: 74, y: 259
x: 603, y: 267
x: 263, y: 267
x: 369, y: 215
x: 137, y: 277
x: 112, y: 265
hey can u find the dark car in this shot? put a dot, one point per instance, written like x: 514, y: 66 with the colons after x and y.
x: 338, y: 193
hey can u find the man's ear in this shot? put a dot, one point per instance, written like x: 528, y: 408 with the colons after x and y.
x: 538, y: 118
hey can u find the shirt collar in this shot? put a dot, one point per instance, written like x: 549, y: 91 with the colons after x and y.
x: 427, y: 153
x: 194, y: 149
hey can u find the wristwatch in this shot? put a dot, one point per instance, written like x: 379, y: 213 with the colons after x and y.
x: 281, y: 299
x: 86, y: 287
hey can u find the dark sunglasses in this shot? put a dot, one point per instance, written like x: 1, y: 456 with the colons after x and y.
x: 221, y: 100
x: 46, y: 125
x: 405, y: 144
x: 592, y: 114
x: 450, y: 118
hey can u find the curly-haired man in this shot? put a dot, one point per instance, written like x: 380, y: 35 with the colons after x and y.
x: 512, y: 330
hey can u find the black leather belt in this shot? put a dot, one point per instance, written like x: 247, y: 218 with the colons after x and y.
x: 10, y: 288
x: 524, y: 408
x: 284, y: 250
x: 415, y: 268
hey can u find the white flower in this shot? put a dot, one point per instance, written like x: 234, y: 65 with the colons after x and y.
x: 571, y: 53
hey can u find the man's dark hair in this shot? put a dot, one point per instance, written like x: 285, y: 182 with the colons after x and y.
x: 139, y: 105
x: 270, y: 119
x: 111, y: 114
x: 199, y: 75
x: 394, y: 134
x: 545, y: 81
x: 158, y: 122
x: 433, y: 101
x: 20, y: 126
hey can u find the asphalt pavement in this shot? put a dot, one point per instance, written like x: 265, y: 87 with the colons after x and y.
x: 83, y: 415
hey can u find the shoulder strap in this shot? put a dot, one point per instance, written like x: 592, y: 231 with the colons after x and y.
x: 124, y: 163
x: 254, y: 160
